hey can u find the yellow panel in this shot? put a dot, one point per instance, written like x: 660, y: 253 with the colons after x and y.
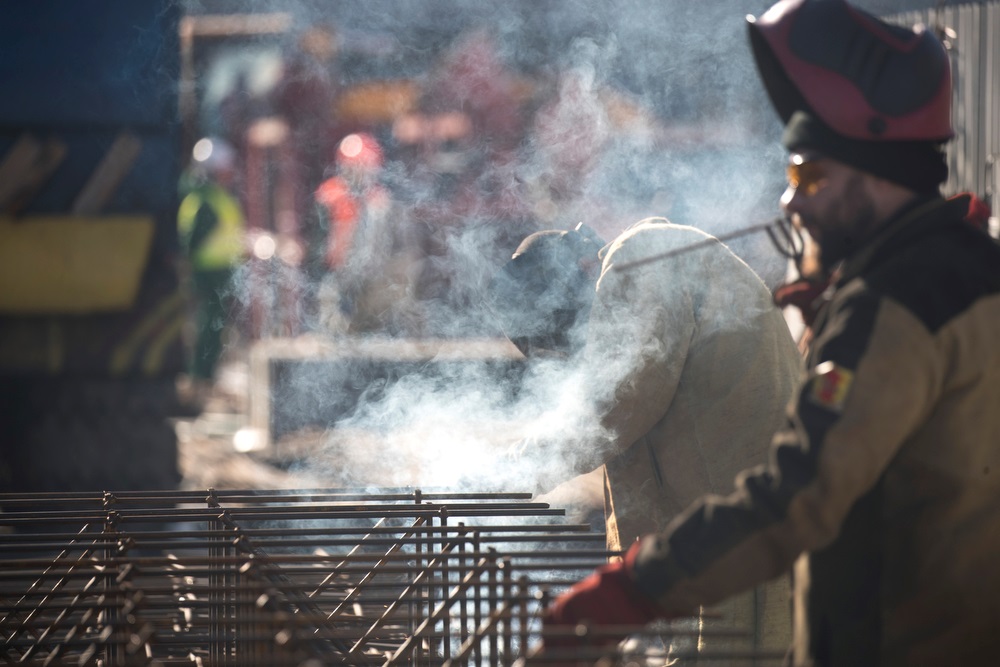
x: 72, y: 264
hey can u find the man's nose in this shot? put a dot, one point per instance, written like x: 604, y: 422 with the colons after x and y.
x: 790, y: 201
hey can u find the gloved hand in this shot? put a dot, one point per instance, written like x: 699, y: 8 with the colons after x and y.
x: 608, y: 597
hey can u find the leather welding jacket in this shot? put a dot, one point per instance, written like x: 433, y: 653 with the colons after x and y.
x: 882, y: 491
x: 688, y: 366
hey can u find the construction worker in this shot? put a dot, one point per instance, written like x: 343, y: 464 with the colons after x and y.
x: 212, y: 230
x: 678, y: 373
x: 351, y: 194
x: 882, y: 492
x: 355, y: 207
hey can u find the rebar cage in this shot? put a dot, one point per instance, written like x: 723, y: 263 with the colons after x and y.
x: 303, y: 577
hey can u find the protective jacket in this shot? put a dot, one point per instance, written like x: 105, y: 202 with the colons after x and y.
x: 211, y: 226
x: 687, y: 370
x: 693, y: 367
x: 346, y: 210
x: 882, y: 490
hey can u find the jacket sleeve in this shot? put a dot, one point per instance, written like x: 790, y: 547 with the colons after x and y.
x: 872, y: 359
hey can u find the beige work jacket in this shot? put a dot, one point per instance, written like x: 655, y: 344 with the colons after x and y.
x: 691, y: 367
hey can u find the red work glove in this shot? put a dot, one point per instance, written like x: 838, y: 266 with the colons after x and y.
x: 606, y: 598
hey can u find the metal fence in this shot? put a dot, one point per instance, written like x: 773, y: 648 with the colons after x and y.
x: 972, y: 34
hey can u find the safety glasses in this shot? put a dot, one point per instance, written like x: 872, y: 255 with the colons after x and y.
x: 806, y: 176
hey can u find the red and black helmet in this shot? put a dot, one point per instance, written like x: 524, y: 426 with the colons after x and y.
x: 864, y: 78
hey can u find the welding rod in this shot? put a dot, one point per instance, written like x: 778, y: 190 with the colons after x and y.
x: 711, y: 240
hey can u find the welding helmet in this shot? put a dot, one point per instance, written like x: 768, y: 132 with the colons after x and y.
x: 359, y: 151
x: 864, y: 78
x: 851, y: 87
x: 543, y: 294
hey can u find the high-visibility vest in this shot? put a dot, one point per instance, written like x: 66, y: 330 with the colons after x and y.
x: 343, y: 211
x: 224, y: 245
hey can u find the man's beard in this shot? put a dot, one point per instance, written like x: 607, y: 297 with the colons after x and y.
x: 846, y: 226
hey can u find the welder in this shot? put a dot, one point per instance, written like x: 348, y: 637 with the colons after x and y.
x: 355, y: 207
x: 882, y: 492
x: 212, y: 230
x: 679, y: 372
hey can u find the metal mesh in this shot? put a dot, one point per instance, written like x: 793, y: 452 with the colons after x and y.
x: 302, y: 578
x: 314, y: 577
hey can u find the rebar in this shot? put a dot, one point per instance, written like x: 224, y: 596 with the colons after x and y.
x: 299, y: 578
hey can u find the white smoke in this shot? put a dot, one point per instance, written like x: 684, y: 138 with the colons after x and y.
x: 644, y: 109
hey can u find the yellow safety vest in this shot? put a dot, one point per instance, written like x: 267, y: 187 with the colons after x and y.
x: 224, y: 246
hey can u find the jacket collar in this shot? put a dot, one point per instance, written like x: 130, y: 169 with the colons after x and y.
x: 911, y: 222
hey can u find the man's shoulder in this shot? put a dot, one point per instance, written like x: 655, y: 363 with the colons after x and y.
x: 940, y: 274
x: 657, y: 246
x: 660, y: 227
x: 652, y: 236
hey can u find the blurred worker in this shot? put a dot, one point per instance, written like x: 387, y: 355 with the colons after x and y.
x: 882, y: 492
x: 212, y: 238
x: 684, y: 368
x: 355, y: 206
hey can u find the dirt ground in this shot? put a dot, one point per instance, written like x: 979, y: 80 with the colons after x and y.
x: 207, y: 455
